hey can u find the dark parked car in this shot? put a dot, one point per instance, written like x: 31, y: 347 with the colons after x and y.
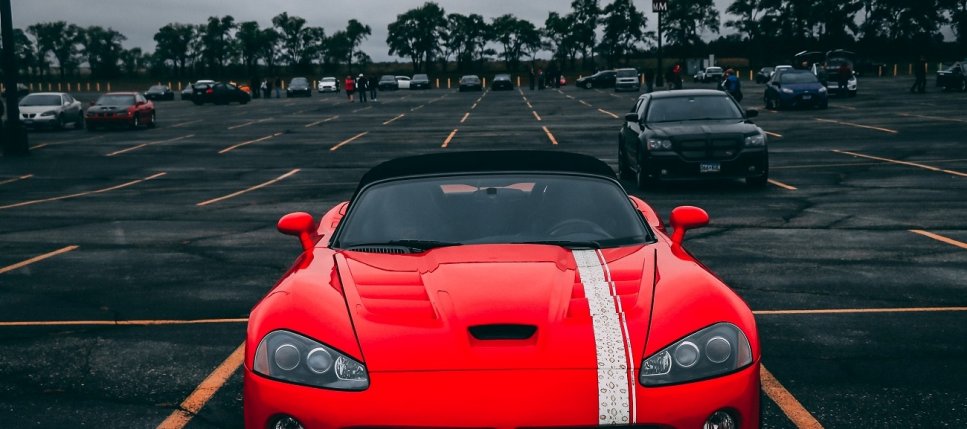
x: 795, y: 88
x: 159, y: 92
x: 120, y: 109
x: 470, y: 83
x: 601, y: 79
x: 387, y: 82
x: 190, y: 89
x: 953, y: 78
x: 691, y: 134
x: 420, y: 81
x: 502, y: 81
x: 218, y: 93
x: 298, y: 86
x: 764, y: 74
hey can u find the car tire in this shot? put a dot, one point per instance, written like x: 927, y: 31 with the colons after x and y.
x: 79, y: 122
x: 136, y: 122
x: 757, y: 181
x: 770, y: 105
x: 61, y: 125
x: 641, y: 178
x: 153, y: 122
x: 624, y: 172
x: 963, y: 85
x: 588, y: 85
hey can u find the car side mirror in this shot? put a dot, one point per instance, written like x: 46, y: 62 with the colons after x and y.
x: 631, y: 117
x: 299, y: 224
x: 751, y: 113
x: 685, y: 218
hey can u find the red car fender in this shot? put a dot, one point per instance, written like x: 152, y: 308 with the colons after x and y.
x: 329, y: 222
x: 298, y: 300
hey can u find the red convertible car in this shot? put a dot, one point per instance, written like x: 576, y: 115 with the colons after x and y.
x: 501, y: 290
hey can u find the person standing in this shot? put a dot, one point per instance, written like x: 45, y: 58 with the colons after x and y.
x: 677, y: 76
x: 278, y: 87
x: 540, y: 79
x: 373, y: 89
x: 362, y: 85
x: 350, y: 85
x: 920, y: 72
x: 266, y: 88
x: 650, y: 80
x: 531, y: 77
x: 732, y: 85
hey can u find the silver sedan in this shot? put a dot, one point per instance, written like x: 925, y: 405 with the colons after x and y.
x: 51, y: 110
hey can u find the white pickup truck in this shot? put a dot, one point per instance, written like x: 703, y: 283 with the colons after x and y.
x: 710, y: 74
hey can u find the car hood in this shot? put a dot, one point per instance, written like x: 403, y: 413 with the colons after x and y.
x: 435, y: 310
x: 107, y: 108
x: 39, y: 109
x: 690, y: 129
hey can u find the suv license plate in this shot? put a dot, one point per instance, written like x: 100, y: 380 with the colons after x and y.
x: 709, y: 167
x: 807, y: 97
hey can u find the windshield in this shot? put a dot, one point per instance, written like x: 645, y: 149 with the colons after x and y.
x: 40, y: 100
x: 156, y: 88
x: 627, y: 73
x: 421, y: 77
x: 502, y: 77
x: 470, y: 78
x: 668, y: 109
x: 328, y: 79
x: 116, y: 100
x: 299, y: 81
x: 498, y: 208
x: 714, y: 70
x: 388, y: 78
x: 791, y: 77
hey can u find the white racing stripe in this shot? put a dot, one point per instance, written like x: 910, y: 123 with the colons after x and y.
x: 627, y: 337
x: 615, y: 393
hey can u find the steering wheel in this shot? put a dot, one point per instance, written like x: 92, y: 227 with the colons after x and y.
x: 572, y: 226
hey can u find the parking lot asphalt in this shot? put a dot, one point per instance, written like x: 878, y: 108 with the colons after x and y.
x: 129, y: 259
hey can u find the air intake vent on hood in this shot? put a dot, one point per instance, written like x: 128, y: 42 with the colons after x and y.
x: 393, y: 250
x: 502, y: 332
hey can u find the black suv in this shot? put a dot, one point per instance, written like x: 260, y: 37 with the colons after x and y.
x: 601, y: 79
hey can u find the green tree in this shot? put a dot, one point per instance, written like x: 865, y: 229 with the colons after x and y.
x: 586, y: 15
x: 250, y: 44
x: 60, y: 40
x: 299, y: 43
x: 685, y: 21
x: 134, y: 61
x: 354, y: 35
x: 217, y: 42
x: 559, y: 39
x: 24, y: 52
x: 516, y: 36
x: 416, y: 34
x: 102, y: 49
x: 624, y: 29
x: 174, y: 43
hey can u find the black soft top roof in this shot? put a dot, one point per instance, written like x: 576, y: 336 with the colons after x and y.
x: 462, y: 162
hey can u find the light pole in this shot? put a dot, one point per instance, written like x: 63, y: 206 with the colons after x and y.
x: 659, y: 7
x: 13, y: 132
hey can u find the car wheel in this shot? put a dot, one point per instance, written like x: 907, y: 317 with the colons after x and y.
x: 757, y: 181
x: 963, y: 85
x: 641, y: 177
x: 588, y: 85
x: 769, y: 104
x: 624, y: 172
x: 153, y: 122
x: 60, y: 122
x: 136, y: 122
x: 79, y: 122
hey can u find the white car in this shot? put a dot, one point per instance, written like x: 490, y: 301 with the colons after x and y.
x: 328, y: 84
x: 710, y: 74
x: 403, y: 82
x: 51, y: 109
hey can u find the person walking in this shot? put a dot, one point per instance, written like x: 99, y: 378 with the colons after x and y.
x: 677, y: 75
x: 540, y: 79
x: 350, y: 85
x: 266, y: 88
x: 920, y: 73
x: 373, y: 89
x: 650, y: 80
x: 362, y: 85
x: 530, y: 77
x: 278, y: 87
x: 732, y: 85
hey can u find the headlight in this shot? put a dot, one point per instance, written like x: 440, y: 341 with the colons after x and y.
x: 822, y: 90
x: 756, y: 140
x: 49, y: 113
x: 659, y: 144
x: 717, y: 350
x: 787, y: 90
x: 293, y: 358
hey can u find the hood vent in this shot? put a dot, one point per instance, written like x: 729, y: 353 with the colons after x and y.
x: 503, y: 332
x: 389, y: 250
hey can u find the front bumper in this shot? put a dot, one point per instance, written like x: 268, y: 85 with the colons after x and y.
x: 750, y: 162
x: 40, y: 122
x: 496, y: 399
x: 109, y: 121
x: 298, y: 92
x: 800, y: 100
x: 627, y: 86
x: 328, y: 89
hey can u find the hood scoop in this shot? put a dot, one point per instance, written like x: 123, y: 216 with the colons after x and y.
x: 502, y: 332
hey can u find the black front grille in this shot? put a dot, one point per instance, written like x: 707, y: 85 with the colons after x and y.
x: 708, y: 149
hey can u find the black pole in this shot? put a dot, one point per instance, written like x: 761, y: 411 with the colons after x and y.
x: 659, y: 77
x: 14, y: 134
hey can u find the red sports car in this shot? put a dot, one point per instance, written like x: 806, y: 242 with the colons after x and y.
x: 501, y: 290
x: 124, y: 109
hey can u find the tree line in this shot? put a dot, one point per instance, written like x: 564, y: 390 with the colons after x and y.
x: 587, y: 37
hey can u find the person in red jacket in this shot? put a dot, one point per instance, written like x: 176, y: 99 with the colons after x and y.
x: 350, y: 85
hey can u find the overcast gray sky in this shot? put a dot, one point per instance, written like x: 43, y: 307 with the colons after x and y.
x: 140, y: 19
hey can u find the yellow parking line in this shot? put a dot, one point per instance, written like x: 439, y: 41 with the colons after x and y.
x: 24, y: 177
x: 347, y: 141
x: 121, y: 322
x: 204, y: 392
x: 788, y: 403
x: 911, y: 164
x: 608, y: 113
x: 538, y: 117
x: 858, y: 311
x: 394, y: 119
x: 118, y: 152
x: 81, y: 194
x: 936, y: 118
x: 246, y: 190
x: 312, y: 124
x: 450, y: 137
x: 474, y: 106
x: 185, y: 123
x: 464, y: 118
x: 869, y: 127
x: 782, y: 185
x: 941, y: 238
x: 40, y: 146
x: 550, y: 136
x: 241, y: 125
x: 39, y: 258
x: 364, y: 108
x: 776, y: 135
x: 246, y: 143
x: 585, y: 103
x: 529, y: 105
x: 417, y: 108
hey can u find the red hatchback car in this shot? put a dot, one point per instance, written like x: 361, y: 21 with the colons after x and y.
x: 498, y: 289
x: 120, y: 109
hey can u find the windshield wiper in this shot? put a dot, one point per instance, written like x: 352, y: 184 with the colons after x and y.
x: 420, y: 245
x: 566, y: 244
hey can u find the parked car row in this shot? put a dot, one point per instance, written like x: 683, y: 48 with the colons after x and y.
x: 619, y: 79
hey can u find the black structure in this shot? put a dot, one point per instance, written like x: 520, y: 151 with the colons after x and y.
x: 14, y: 135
